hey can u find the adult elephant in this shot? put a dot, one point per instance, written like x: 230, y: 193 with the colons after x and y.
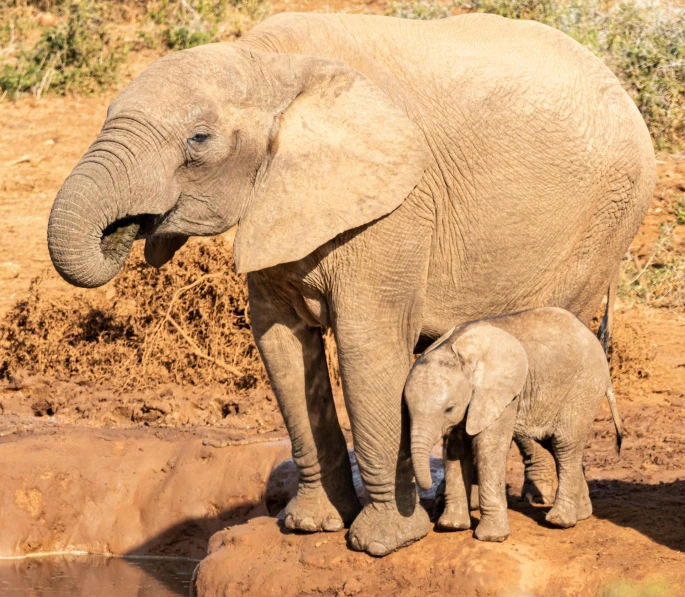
x: 390, y: 179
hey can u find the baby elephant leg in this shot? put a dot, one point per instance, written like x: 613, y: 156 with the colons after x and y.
x: 572, y: 485
x: 458, y: 462
x: 490, y: 449
x: 540, y: 476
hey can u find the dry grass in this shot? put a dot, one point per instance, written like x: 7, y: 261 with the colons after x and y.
x: 660, y: 282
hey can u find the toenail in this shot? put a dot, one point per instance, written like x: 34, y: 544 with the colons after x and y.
x: 308, y: 524
x: 333, y: 524
x: 290, y: 522
x: 354, y: 543
x: 377, y: 549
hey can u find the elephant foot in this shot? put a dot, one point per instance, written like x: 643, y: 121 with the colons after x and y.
x: 455, y: 519
x: 584, y: 509
x: 562, y: 515
x: 311, y: 510
x: 492, y: 528
x: 538, y: 493
x: 380, y: 529
x: 584, y: 502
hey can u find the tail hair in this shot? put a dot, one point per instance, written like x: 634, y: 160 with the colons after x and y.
x: 613, y: 407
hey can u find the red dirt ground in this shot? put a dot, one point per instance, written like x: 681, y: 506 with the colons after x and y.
x: 637, y: 533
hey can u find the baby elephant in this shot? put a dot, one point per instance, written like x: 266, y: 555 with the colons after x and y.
x: 536, y: 375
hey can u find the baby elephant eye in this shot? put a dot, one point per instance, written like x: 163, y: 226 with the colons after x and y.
x: 449, y: 409
x: 198, y: 138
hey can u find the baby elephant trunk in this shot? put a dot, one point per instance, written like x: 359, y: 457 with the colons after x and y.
x: 422, y: 442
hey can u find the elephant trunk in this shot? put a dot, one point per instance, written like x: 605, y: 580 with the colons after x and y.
x: 422, y: 443
x: 89, y: 235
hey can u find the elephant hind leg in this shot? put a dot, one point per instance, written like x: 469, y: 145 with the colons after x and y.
x: 564, y: 512
x: 539, y: 486
x: 584, y: 502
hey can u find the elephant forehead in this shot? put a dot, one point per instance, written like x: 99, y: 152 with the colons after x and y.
x: 433, y: 375
x: 187, y: 84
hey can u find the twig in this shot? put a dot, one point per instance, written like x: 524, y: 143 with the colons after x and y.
x: 174, y: 298
x: 24, y: 158
x: 659, y: 248
x: 197, y: 351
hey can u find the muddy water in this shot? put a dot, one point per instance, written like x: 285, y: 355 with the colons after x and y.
x: 94, y: 576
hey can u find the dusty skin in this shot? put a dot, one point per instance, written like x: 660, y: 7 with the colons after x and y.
x: 635, y: 534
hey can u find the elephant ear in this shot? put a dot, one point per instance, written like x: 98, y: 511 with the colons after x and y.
x: 438, y: 342
x: 499, y: 368
x: 343, y: 156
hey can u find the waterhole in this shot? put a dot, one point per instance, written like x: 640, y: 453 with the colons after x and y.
x: 95, y: 576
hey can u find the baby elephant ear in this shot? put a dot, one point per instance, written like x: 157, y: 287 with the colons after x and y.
x: 344, y: 155
x: 499, y: 367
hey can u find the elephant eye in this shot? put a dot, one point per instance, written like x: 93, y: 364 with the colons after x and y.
x: 449, y: 409
x: 198, y: 138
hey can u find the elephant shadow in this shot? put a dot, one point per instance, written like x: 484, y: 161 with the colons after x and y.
x: 171, y: 556
x: 188, y: 540
x: 656, y: 510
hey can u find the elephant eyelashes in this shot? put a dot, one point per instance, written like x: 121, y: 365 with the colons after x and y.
x: 198, y: 138
x: 449, y: 409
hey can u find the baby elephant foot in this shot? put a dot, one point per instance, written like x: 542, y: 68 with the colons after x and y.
x: 538, y: 493
x: 311, y: 510
x: 455, y: 519
x: 562, y: 515
x: 380, y: 529
x: 492, y: 528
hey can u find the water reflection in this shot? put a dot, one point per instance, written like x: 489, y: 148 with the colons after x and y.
x: 94, y: 576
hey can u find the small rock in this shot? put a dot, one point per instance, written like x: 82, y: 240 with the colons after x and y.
x: 352, y: 586
x: 9, y: 270
x: 47, y: 19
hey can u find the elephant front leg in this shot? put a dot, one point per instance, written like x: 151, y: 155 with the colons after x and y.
x: 458, y: 462
x: 490, y: 449
x: 295, y: 361
x: 374, y: 367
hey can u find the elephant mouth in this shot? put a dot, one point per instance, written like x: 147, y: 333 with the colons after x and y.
x: 120, y: 234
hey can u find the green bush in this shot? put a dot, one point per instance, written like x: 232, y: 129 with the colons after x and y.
x: 420, y: 9
x: 660, y: 282
x: 77, y: 55
x: 188, y: 23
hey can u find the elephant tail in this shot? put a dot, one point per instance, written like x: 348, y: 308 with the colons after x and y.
x: 606, y: 325
x: 613, y: 407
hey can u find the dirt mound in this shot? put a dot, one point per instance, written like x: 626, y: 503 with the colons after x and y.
x: 170, y: 347
x: 187, y: 323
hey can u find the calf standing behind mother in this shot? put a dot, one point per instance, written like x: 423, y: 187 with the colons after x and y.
x: 389, y: 179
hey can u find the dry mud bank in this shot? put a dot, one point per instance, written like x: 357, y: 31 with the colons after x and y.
x: 127, y: 492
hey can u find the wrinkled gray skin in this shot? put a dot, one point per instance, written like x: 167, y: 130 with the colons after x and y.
x: 538, y: 376
x: 389, y: 178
